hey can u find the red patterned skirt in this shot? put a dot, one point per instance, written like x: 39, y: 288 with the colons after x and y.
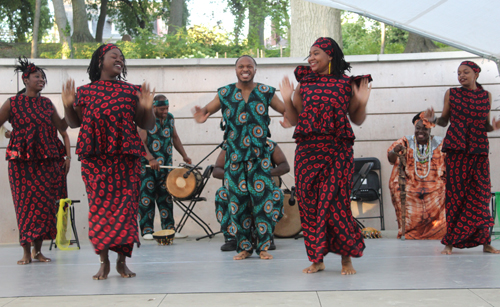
x: 468, y: 193
x: 33, y: 185
x: 61, y: 181
x: 113, y: 185
x: 323, y: 175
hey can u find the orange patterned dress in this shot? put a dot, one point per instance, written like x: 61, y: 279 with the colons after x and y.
x: 425, y: 198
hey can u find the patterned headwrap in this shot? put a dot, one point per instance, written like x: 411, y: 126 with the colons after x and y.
x: 160, y: 103
x: 472, y: 65
x: 29, y: 70
x: 105, y: 49
x: 425, y: 121
x: 325, y: 44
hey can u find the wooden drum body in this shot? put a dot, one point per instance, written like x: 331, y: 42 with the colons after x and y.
x: 183, y: 188
x: 289, y: 225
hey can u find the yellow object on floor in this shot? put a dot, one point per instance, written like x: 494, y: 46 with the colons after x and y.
x: 371, y: 233
x: 63, y: 237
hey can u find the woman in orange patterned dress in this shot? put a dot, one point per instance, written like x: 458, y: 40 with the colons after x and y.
x: 425, y: 183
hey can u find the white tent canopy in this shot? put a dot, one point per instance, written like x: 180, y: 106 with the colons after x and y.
x: 472, y: 26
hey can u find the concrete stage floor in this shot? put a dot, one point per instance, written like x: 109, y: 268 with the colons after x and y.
x: 197, y: 273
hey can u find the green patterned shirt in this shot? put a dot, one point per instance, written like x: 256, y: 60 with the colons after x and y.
x: 246, y: 125
x: 159, y: 141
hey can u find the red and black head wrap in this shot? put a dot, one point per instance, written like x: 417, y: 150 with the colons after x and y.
x: 27, y: 68
x: 325, y: 44
x: 105, y: 49
x: 472, y: 65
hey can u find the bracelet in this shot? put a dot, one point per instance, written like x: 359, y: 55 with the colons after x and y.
x: 68, y: 158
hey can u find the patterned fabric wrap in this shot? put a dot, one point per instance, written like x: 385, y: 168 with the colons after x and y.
x: 62, y: 183
x: 326, y: 102
x: 105, y: 49
x: 469, y: 111
x: 34, y: 137
x: 250, y: 195
x: 323, y: 177
x: 153, y: 189
x: 325, y: 44
x: 160, y: 103
x: 33, y: 185
x: 246, y: 123
x: 108, y: 126
x: 425, y: 198
x: 29, y: 70
x: 468, y: 193
x: 112, y: 183
x: 472, y: 65
x: 222, y: 204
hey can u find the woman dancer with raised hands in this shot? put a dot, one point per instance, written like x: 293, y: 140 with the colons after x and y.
x: 468, y: 185
x: 34, y: 153
x: 107, y: 111
x: 324, y: 156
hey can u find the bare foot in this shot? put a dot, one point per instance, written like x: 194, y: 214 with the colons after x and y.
x: 265, y: 255
x: 24, y: 260
x: 447, y: 250
x: 314, y: 268
x: 123, y: 270
x: 347, y: 268
x: 103, y: 271
x: 242, y: 255
x: 487, y: 248
x: 40, y: 257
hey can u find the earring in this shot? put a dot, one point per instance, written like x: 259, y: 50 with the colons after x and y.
x: 329, y: 67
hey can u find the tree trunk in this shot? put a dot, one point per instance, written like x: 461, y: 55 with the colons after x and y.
x: 101, y: 21
x: 310, y: 21
x: 81, y: 33
x: 36, y: 28
x: 417, y: 43
x: 256, y: 19
x: 175, y: 19
x: 382, y: 38
x: 63, y: 27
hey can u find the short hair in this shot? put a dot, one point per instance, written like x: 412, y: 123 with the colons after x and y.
x: 160, y: 97
x: 245, y: 56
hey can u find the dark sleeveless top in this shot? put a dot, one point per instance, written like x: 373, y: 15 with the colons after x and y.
x: 34, y: 137
x: 326, y: 101
x: 108, y: 127
x: 469, y: 111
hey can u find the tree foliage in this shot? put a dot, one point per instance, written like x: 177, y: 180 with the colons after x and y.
x: 17, y: 19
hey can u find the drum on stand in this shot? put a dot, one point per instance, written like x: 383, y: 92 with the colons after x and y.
x: 183, y: 188
x: 289, y: 225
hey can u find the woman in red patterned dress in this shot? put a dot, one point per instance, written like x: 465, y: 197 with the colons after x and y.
x: 34, y: 152
x: 324, y: 156
x: 468, y: 186
x: 107, y: 111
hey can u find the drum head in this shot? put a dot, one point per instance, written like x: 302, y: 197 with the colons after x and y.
x: 178, y: 186
x: 289, y: 225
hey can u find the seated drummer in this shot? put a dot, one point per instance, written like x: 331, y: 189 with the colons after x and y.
x: 280, y: 167
x: 158, y: 144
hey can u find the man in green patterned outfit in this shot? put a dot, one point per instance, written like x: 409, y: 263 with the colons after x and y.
x: 158, y: 145
x: 247, y: 175
x: 280, y: 167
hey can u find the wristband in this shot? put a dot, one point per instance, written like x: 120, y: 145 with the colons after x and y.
x: 68, y: 158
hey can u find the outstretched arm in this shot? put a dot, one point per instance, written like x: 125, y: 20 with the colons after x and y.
x: 292, y: 107
x: 359, y: 99
x: 178, y: 146
x: 445, y: 116
x: 4, y: 112
x: 495, y: 124
x: 144, y: 115
x: 72, y: 114
x: 201, y: 114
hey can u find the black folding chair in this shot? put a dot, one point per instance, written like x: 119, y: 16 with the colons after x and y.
x: 73, y: 226
x: 493, y: 213
x: 367, y: 184
x: 188, y: 209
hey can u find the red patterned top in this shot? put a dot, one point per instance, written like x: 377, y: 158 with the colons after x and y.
x: 34, y: 137
x: 108, y: 127
x: 326, y: 101
x: 469, y: 111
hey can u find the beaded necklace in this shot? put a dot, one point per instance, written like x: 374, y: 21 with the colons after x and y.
x: 422, y: 154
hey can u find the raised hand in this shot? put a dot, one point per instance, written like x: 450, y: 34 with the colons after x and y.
x: 286, y: 89
x: 429, y: 114
x: 146, y: 96
x: 200, y: 114
x: 285, y: 123
x: 362, y: 92
x: 68, y: 93
x: 495, y: 123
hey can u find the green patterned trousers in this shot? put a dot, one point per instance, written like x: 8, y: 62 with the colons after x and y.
x: 250, y: 195
x: 153, y: 191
